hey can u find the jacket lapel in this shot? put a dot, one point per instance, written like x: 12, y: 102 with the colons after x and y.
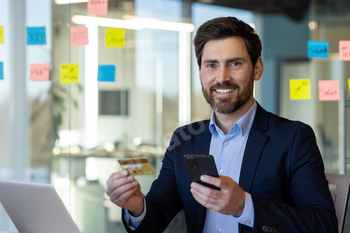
x: 255, y: 145
x: 201, y: 146
x: 202, y: 141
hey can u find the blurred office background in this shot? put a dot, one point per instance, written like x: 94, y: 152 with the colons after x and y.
x: 71, y: 135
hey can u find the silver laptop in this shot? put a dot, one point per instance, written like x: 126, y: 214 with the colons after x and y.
x: 35, y: 208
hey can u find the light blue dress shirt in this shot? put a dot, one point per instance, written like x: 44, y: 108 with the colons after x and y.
x: 228, y: 151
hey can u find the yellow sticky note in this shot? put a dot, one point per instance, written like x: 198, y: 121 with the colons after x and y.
x: 349, y: 85
x: 1, y: 34
x: 115, y: 38
x: 299, y: 89
x: 69, y: 73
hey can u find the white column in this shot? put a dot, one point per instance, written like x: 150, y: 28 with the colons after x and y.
x: 184, y: 78
x: 18, y: 102
x: 91, y: 89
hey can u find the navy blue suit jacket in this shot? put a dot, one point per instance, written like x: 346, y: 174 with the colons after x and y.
x: 282, y: 169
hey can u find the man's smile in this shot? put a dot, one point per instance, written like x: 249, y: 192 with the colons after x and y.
x: 223, y: 91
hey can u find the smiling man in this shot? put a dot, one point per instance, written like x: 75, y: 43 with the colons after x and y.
x: 271, y: 171
x: 221, y: 60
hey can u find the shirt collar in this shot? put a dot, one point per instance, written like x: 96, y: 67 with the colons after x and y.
x: 244, y: 123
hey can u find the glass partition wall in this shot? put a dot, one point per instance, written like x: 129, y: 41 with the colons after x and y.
x: 328, y: 22
x: 132, y: 116
x: 71, y: 130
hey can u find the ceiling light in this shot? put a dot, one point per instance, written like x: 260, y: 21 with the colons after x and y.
x: 104, y: 22
x: 69, y: 1
x: 207, y: 1
x: 134, y: 23
x: 313, y: 25
x: 137, y: 141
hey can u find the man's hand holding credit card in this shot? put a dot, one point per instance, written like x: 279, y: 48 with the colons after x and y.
x: 122, y: 187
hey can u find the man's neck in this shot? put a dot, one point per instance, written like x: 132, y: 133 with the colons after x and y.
x: 226, y: 121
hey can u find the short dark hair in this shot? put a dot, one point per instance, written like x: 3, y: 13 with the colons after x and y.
x: 226, y: 27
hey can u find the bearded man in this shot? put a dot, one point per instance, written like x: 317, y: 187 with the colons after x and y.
x: 271, y: 172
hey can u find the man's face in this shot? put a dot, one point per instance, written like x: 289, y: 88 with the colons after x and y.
x: 227, y: 74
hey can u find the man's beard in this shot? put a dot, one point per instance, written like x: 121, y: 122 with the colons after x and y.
x: 229, y: 105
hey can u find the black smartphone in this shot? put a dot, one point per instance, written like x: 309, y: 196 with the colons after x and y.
x: 198, y: 165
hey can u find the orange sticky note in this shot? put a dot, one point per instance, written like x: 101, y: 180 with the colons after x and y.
x: 97, y: 7
x: 344, y: 50
x: 39, y: 72
x: 79, y: 36
x: 328, y: 90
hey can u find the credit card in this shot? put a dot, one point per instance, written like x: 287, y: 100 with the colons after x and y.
x: 137, y: 166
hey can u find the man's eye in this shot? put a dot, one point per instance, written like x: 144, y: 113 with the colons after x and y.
x: 233, y: 64
x: 210, y: 65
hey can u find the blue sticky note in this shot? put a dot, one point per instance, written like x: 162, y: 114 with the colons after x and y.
x: 106, y: 73
x: 1, y: 70
x: 36, y: 36
x: 317, y: 49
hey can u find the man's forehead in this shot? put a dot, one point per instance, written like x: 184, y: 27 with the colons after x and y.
x: 229, y: 48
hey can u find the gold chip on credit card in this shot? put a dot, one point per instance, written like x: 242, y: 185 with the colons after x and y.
x: 137, y: 166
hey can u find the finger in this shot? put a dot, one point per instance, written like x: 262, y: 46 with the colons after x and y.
x: 206, y: 201
x: 120, y: 191
x: 115, y: 184
x: 200, y: 196
x: 124, y: 197
x: 222, y: 182
x: 117, y: 175
x: 205, y: 191
x: 198, y: 199
x: 211, y: 180
x: 206, y: 204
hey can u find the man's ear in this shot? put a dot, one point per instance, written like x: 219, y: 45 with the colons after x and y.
x: 258, y: 69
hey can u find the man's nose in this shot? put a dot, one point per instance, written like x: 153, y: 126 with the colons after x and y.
x: 223, y: 75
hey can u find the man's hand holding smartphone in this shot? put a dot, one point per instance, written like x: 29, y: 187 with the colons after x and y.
x: 229, y: 200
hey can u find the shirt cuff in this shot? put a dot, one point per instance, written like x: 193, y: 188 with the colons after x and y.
x: 247, y: 217
x: 132, y: 221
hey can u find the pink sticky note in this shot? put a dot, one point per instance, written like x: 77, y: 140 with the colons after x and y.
x: 39, y: 72
x: 328, y: 90
x: 344, y: 50
x: 79, y: 36
x: 97, y: 7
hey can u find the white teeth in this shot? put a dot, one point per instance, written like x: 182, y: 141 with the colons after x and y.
x: 224, y: 90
